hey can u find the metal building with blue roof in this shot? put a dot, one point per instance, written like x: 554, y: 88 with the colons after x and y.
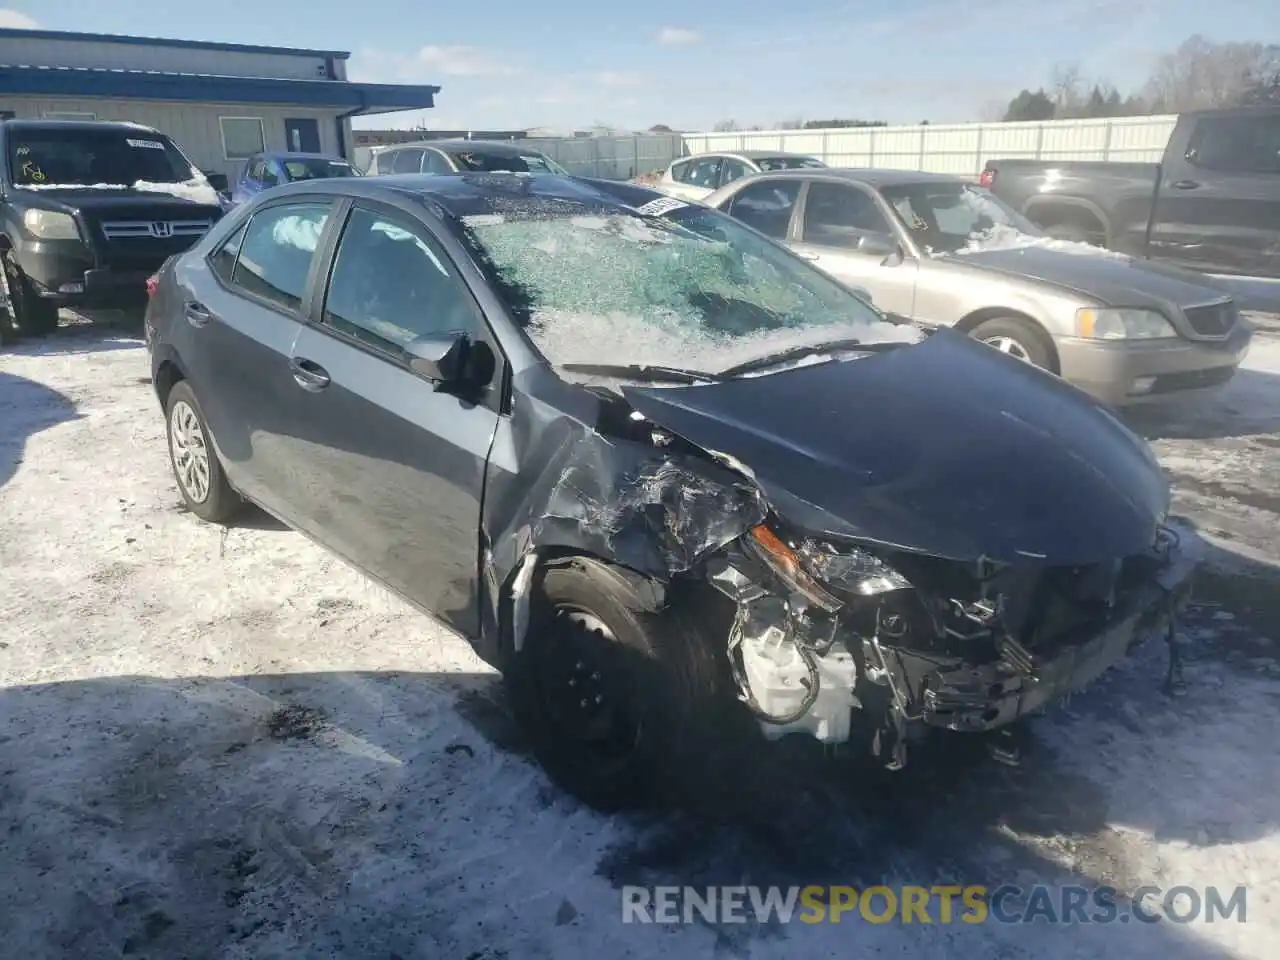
x: 223, y: 102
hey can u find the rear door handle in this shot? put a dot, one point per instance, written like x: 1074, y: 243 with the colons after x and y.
x: 308, y: 374
x: 196, y: 314
x: 806, y: 255
x: 1185, y: 184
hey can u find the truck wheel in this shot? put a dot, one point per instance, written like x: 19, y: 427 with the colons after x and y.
x: 1016, y: 337
x: 33, y: 315
x: 201, y: 481
x: 617, y: 690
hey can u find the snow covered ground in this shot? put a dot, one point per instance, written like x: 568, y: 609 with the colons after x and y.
x: 225, y: 743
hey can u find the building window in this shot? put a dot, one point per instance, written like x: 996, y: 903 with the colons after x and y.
x: 68, y: 115
x: 242, y: 137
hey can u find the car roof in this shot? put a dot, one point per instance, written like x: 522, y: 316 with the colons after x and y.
x: 751, y: 155
x: 469, y: 194
x: 298, y: 155
x: 871, y: 176
x: 119, y: 126
x: 503, y: 148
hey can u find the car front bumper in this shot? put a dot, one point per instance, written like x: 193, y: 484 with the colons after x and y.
x: 1134, y: 371
x: 972, y: 698
x: 66, y: 272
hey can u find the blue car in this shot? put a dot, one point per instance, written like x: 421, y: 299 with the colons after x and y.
x: 264, y: 170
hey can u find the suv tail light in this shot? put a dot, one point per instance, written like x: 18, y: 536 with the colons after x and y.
x: 153, y: 283
x: 987, y: 178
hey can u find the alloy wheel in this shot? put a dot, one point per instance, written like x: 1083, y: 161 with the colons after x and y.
x: 1010, y: 346
x: 190, y: 452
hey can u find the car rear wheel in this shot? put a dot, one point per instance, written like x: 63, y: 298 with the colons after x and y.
x: 200, y: 477
x: 32, y: 314
x: 1017, y: 338
x: 620, y: 692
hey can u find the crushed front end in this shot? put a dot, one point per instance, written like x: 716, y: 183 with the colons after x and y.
x: 831, y: 639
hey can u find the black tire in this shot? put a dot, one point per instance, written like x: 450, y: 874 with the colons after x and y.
x: 601, y: 631
x: 1028, y: 341
x: 33, y: 315
x: 220, y: 502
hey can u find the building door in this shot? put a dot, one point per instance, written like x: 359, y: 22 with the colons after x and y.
x: 302, y: 135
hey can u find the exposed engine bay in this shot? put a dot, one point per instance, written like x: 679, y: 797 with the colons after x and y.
x: 824, y: 633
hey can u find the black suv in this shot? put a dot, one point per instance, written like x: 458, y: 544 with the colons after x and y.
x: 88, y: 211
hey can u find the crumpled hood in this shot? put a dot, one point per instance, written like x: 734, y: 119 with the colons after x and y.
x: 946, y: 448
x: 1115, y: 280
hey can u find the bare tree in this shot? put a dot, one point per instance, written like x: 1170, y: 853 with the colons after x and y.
x: 1202, y: 74
x: 790, y: 125
x: 1065, y: 89
x: 725, y: 126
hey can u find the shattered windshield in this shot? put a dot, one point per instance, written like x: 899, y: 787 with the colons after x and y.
x: 953, y: 217
x: 90, y: 157
x: 666, y: 284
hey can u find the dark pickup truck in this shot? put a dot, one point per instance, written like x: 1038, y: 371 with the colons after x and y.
x: 1211, y: 204
x: 88, y: 211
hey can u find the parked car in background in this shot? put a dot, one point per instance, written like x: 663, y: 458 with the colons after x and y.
x: 88, y: 211
x: 1211, y: 204
x: 947, y: 253
x: 265, y: 170
x: 463, y: 156
x: 685, y: 490
x: 695, y: 178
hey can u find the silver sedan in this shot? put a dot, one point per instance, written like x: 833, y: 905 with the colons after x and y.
x: 944, y: 252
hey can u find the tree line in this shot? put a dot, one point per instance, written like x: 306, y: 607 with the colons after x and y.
x: 1200, y: 74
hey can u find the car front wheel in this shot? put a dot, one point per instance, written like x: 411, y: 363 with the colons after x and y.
x: 200, y: 477
x: 1017, y: 338
x: 619, y: 690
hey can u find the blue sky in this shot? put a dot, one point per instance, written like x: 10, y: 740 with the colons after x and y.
x: 569, y: 62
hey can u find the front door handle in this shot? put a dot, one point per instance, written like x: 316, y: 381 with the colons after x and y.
x: 196, y: 314
x: 308, y: 374
x: 1185, y: 184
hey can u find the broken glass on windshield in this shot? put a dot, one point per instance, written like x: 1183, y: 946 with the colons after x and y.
x: 692, y: 289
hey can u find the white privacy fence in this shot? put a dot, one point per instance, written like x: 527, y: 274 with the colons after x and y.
x: 612, y: 158
x: 960, y: 148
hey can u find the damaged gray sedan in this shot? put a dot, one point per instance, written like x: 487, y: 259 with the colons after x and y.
x: 668, y: 477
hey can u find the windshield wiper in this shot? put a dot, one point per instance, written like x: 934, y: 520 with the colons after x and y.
x: 642, y: 371
x: 799, y: 352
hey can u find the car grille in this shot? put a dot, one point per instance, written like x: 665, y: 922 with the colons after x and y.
x: 154, y: 229
x: 1212, y: 321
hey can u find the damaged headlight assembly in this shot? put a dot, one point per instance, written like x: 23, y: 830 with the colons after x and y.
x: 793, y: 668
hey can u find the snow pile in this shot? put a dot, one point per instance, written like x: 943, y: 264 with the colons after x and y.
x: 1003, y: 236
x: 197, y: 189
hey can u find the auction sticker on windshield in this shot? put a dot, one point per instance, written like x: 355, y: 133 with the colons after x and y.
x: 656, y: 208
x: 147, y: 144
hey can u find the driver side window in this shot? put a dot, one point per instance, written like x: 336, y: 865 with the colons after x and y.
x: 839, y: 216
x: 392, y: 283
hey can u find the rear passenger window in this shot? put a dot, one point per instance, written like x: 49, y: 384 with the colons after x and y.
x: 680, y: 171
x: 1240, y: 144
x: 392, y: 284
x: 223, y: 261
x: 766, y: 206
x: 276, y: 253
x: 704, y: 173
x: 383, y: 162
x: 436, y: 163
x: 407, y: 161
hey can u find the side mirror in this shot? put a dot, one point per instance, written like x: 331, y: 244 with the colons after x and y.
x: 440, y: 357
x: 218, y: 181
